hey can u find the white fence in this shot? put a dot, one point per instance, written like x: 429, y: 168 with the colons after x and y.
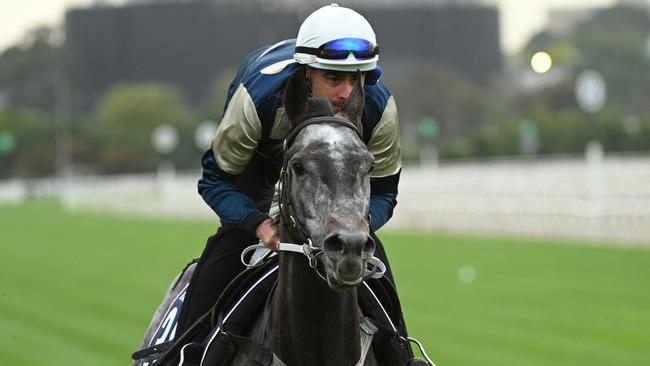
x: 604, y: 199
x: 597, y: 199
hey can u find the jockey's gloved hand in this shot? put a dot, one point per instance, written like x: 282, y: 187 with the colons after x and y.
x: 268, y: 235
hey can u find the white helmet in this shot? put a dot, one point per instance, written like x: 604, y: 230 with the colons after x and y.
x: 337, y: 38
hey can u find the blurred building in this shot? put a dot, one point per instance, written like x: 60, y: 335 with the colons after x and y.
x: 189, y: 43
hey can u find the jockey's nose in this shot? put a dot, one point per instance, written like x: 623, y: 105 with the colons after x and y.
x: 345, y: 90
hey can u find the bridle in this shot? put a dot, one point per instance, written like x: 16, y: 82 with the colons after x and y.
x: 288, y: 216
x: 286, y: 208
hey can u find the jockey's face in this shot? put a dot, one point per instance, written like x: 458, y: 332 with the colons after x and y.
x: 336, y: 86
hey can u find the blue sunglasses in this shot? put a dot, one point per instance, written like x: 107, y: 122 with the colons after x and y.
x: 339, y: 49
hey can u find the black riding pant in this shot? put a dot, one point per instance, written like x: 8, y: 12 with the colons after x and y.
x: 220, y: 263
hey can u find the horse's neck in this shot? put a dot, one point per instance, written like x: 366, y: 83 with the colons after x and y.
x: 312, y: 324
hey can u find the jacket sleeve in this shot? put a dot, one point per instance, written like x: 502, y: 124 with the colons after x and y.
x: 385, y: 146
x: 232, y: 148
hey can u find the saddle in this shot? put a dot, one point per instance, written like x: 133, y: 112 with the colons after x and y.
x: 219, y: 335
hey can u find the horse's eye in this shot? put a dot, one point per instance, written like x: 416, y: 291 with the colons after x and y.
x: 298, y: 168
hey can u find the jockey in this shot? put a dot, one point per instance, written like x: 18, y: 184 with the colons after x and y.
x: 242, y: 167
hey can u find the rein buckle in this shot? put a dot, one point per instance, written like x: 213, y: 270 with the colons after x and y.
x: 308, y: 249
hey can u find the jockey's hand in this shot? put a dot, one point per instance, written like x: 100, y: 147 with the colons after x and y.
x: 268, y: 235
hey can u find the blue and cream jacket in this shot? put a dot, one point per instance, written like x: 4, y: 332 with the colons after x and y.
x: 242, y: 167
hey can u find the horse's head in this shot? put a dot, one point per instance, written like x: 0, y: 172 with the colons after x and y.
x: 328, y: 183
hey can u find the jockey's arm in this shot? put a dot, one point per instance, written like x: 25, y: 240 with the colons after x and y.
x: 385, y: 146
x: 232, y: 148
x: 218, y: 190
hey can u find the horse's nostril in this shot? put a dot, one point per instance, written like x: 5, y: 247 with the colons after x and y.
x: 333, y: 244
x: 349, y: 243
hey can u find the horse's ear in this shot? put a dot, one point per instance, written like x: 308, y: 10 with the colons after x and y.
x: 353, y: 107
x: 296, y: 94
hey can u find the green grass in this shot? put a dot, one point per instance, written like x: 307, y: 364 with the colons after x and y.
x: 79, y: 289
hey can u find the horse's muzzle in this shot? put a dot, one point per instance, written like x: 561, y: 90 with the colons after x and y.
x: 347, y: 254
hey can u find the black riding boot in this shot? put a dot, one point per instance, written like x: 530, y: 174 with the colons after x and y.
x: 218, y: 265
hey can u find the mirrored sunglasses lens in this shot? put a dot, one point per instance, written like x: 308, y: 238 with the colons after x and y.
x: 334, y: 54
x: 341, y: 48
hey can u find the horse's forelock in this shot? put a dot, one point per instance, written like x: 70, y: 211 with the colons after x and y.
x: 316, y: 107
x: 321, y: 106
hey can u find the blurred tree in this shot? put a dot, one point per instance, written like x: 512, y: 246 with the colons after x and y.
x: 216, y: 97
x: 614, y: 43
x: 28, y: 150
x: 459, y: 107
x: 558, y: 97
x: 29, y: 72
x: 564, y: 131
x: 561, y: 49
x: 126, y: 117
x: 436, y: 91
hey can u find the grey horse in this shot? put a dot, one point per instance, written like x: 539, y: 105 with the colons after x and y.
x: 316, y: 322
